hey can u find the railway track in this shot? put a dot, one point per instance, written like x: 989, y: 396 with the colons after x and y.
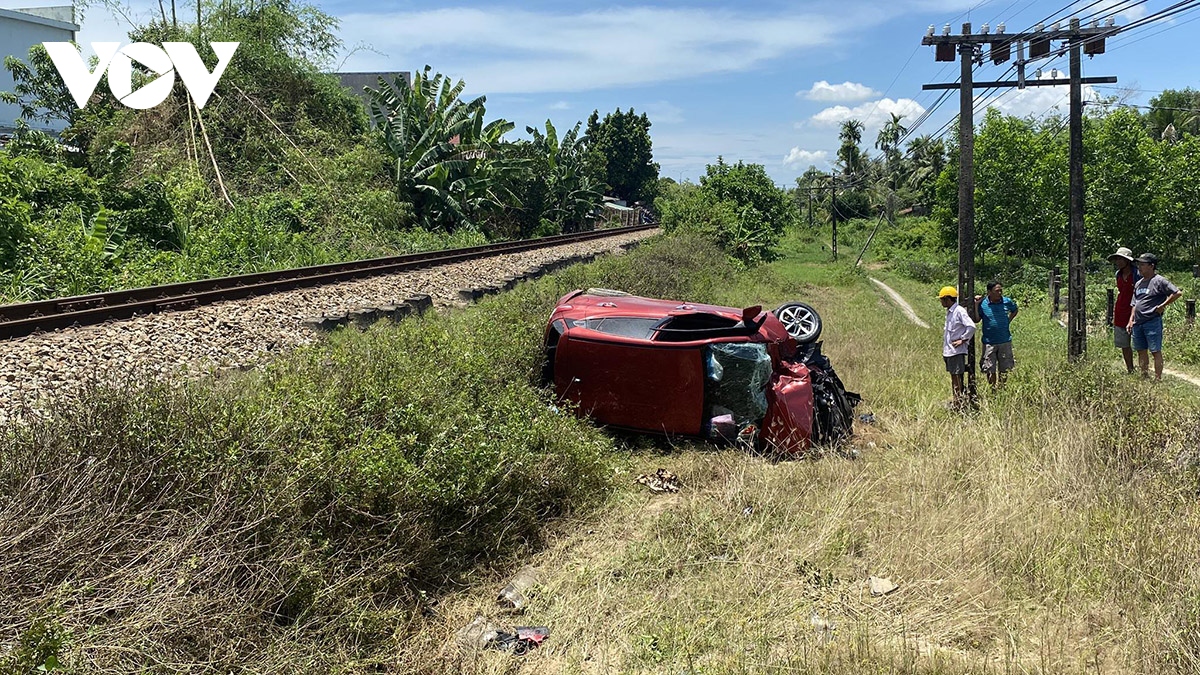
x: 22, y: 319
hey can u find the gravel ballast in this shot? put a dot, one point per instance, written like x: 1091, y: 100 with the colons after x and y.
x: 41, y: 368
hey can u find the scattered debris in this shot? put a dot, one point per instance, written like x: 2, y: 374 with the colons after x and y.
x: 748, y: 511
x: 822, y: 627
x: 881, y: 585
x: 482, y: 634
x: 524, y: 640
x: 660, y: 481
x: 513, y: 596
x: 478, y: 635
x: 867, y: 418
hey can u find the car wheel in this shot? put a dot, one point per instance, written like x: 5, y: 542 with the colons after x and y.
x: 801, y: 321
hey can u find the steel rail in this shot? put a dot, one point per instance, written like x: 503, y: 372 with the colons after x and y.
x: 25, y: 318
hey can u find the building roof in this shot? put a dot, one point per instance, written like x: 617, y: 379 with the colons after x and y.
x: 43, y: 16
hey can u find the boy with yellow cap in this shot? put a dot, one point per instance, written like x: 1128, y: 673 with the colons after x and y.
x: 960, y: 330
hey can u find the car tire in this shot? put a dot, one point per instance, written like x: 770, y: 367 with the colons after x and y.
x: 801, y: 321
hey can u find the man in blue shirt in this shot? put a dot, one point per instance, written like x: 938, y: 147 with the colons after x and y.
x: 996, y: 311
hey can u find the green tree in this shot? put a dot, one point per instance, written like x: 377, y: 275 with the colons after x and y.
x: 570, y: 192
x: 1177, y: 195
x: 621, y: 154
x: 447, y: 161
x: 850, y: 155
x: 888, y: 142
x: 927, y: 159
x: 1176, y: 108
x: 1121, y: 180
x: 737, y: 206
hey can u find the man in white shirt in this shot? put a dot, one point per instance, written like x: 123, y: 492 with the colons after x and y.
x: 960, y: 329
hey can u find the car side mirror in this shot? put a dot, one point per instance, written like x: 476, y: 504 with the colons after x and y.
x: 749, y: 315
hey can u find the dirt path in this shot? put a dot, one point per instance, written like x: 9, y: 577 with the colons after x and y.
x: 900, y: 302
x: 1183, y: 376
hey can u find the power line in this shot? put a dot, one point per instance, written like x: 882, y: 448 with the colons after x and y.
x: 1126, y: 43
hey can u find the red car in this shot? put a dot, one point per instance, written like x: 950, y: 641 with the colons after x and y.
x: 687, y: 369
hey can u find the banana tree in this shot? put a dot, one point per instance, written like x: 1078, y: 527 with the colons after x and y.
x: 571, y: 193
x: 447, y: 161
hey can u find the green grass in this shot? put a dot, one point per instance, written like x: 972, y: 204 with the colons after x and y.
x: 1052, y: 531
x: 351, y: 507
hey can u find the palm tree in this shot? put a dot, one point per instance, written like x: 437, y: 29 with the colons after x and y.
x: 928, y: 158
x: 849, y: 153
x: 888, y: 141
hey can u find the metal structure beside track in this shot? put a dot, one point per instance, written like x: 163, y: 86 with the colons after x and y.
x: 32, y: 317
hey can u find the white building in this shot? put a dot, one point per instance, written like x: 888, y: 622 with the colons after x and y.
x: 21, y: 29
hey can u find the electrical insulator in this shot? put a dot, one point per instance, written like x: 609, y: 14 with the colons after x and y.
x: 946, y: 29
x: 983, y: 30
x: 929, y: 33
x: 1000, y: 27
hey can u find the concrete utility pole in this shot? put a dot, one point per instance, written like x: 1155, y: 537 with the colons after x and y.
x: 1076, y: 274
x: 833, y: 211
x: 966, y: 196
x: 969, y: 48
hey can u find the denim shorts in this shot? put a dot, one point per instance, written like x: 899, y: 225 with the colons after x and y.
x: 1148, y: 335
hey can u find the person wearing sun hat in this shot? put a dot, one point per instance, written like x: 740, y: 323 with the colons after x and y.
x: 1127, y: 277
x: 959, y: 331
x: 1152, y: 294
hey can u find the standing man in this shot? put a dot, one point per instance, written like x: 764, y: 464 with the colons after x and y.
x: 996, y: 312
x: 1127, y: 276
x: 1152, y: 294
x: 960, y: 329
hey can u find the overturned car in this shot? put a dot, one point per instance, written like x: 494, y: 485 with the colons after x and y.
x: 687, y: 369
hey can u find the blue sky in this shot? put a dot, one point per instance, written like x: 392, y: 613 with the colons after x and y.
x: 767, y: 82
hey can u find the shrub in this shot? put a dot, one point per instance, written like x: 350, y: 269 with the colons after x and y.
x: 736, y: 206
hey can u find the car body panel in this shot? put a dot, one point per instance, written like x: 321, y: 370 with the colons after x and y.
x: 639, y: 386
x: 787, y: 428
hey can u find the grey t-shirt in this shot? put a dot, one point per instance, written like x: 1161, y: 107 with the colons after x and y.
x: 1148, y: 294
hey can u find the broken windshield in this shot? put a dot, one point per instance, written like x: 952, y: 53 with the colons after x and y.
x: 736, y: 379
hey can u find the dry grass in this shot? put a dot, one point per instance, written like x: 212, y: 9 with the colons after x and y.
x: 1052, y: 532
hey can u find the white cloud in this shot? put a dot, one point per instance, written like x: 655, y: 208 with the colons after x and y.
x: 500, y: 49
x: 560, y: 105
x: 846, y: 91
x: 873, y: 114
x: 804, y: 158
x: 663, y: 112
